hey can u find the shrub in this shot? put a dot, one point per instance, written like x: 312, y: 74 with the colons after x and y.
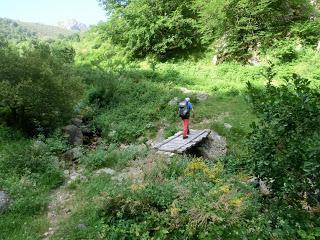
x: 284, y: 144
x: 153, y: 28
x: 103, y: 90
x: 38, y: 91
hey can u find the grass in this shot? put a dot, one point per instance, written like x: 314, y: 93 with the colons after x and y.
x: 27, y: 174
x: 138, y: 109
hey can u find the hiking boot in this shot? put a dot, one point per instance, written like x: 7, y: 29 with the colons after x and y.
x: 185, y: 137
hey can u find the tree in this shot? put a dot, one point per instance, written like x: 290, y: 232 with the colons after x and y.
x: 247, y: 24
x: 284, y: 145
x: 154, y: 27
x: 37, y: 89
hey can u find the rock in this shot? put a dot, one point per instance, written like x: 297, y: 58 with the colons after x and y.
x: 227, y: 126
x: 76, y: 176
x: 108, y: 171
x: 66, y: 173
x: 264, y: 189
x: 73, y: 134
x: 72, y: 24
x: 112, y: 133
x: 73, y: 154
x: 142, y: 147
x: 185, y: 90
x: 254, y: 60
x: 81, y: 226
x: 150, y: 143
x: 254, y: 181
x: 39, y: 145
x: 86, y: 131
x: 318, y: 47
x: 4, y: 201
x: 213, y: 147
x: 76, y: 121
x: 169, y: 154
x: 67, y: 210
x: 202, y: 96
x: 215, y: 60
x: 174, y: 101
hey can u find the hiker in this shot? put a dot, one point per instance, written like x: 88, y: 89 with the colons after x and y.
x: 185, y: 108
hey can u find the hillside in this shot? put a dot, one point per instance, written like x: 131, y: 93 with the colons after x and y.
x: 11, y: 29
x: 45, y: 31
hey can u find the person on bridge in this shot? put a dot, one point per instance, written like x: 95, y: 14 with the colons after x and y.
x: 185, y: 108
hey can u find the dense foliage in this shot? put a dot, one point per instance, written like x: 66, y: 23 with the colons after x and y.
x: 237, y: 27
x: 246, y: 24
x: 11, y: 30
x: 38, y: 90
x: 153, y: 27
x: 284, y: 146
x: 115, y: 187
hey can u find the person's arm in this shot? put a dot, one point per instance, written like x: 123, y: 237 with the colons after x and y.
x: 192, y: 112
x: 191, y: 109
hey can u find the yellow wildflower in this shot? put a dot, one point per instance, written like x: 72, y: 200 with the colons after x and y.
x: 237, y: 202
x: 225, y: 189
x: 136, y: 187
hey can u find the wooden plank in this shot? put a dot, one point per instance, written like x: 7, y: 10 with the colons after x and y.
x: 191, y: 139
x: 175, y: 143
x: 168, y: 140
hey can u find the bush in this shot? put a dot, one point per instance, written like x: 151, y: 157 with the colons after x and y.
x: 103, y: 90
x: 284, y: 144
x: 153, y: 28
x: 38, y: 91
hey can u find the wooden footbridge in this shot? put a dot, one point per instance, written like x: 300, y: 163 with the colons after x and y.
x: 176, y: 143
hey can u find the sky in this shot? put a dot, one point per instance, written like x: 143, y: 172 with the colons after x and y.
x: 52, y: 11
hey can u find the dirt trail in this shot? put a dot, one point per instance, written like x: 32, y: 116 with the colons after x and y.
x: 61, y: 204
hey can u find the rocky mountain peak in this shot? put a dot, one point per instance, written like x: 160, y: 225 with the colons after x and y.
x: 72, y: 24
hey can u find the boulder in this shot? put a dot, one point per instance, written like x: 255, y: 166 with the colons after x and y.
x: 254, y: 61
x: 227, y: 126
x: 215, y: 60
x: 108, y: 171
x: 74, y: 134
x: 81, y: 226
x: 202, y: 96
x: 76, y: 176
x: 39, y: 145
x: 4, y: 201
x: 76, y: 121
x: 213, y: 147
x: 73, y: 154
x: 264, y: 189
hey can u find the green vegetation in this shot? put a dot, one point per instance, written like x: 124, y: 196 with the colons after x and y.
x: 20, y: 31
x: 11, y: 30
x: 28, y: 170
x: 169, y: 29
x: 46, y: 31
x: 124, y: 78
x: 284, y: 143
x: 38, y: 91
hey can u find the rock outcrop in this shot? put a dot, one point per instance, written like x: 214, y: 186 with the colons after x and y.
x: 72, y: 24
x: 4, y: 201
x: 213, y: 147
